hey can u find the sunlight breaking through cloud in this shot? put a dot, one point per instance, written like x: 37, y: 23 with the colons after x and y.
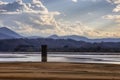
x: 34, y: 18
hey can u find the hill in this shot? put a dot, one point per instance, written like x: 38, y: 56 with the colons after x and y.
x: 6, y: 33
x: 82, y: 38
x: 68, y: 45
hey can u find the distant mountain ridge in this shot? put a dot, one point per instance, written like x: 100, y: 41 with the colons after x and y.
x: 74, y: 37
x: 12, y: 41
x: 57, y: 45
x: 6, y: 33
x: 81, y: 38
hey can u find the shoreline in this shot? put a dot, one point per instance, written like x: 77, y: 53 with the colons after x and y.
x: 58, y: 71
x: 80, y: 53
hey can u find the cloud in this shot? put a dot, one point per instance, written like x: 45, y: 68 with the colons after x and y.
x: 92, y: 0
x: 34, y: 18
x: 78, y: 28
x: 18, y: 15
x: 116, y: 10
x: 19, y: 7
x: 114, y: 1
x: 75, y: 0
x: 117, y: 3
x: 113, y: 17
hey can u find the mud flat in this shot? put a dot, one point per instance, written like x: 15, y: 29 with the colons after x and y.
x: 58, y: 71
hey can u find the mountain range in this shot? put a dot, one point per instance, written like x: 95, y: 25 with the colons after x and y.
x: 81, y: 38
x: 6, y: 33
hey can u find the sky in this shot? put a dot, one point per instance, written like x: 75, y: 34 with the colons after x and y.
x: 89, y: 18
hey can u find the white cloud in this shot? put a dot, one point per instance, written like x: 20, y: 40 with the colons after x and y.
x: 35, y: 19
x: 114, y: 31
x: 91, y: 0
x: 116, y: 18
x: 114, y: 1
x: 74, y: 0
x: 117, y: 3
x: 18, y: 15
x: 117, y: 9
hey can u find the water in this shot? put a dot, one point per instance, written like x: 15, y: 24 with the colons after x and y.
x: 58, y: 57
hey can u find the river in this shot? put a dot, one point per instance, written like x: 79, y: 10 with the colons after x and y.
x: 110, y: 58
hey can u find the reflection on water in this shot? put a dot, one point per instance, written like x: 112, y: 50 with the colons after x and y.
x: 80, y: 58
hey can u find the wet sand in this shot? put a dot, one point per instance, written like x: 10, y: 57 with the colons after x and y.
x: 59, y: 71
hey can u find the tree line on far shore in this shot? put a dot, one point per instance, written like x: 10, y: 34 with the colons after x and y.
x: 59, y: 45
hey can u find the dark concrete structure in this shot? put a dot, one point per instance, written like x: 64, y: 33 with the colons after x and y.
x: 44, y: 53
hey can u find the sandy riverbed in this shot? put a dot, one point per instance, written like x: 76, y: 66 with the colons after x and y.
x: 58, y: 71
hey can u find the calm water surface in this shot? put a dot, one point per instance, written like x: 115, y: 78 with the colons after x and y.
x: 60, y: 57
